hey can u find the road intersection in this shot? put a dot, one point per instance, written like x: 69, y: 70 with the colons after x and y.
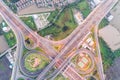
x: 70, y: 43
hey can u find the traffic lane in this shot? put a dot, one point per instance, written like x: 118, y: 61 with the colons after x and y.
x: 27, y: 32
x: 72, y: 73
x: 73, y: 41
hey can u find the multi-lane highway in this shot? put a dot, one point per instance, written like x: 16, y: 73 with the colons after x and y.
x: 18, y: 27
x: 77, y: 36
x: 19, y: 43
x: 26, y: 31
x: 92, y: 20
x: 66, y: 68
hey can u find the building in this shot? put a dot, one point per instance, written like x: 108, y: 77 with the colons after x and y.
x: 21, y: 4
x: 78, y: 17
x: 6, y: 29
x: 44, y: 3
x: 94, y: 3
x: 109, y: 17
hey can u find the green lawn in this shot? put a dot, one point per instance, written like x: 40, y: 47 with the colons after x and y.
x: 29, y: 21
x: 103, y: 23
x: 29, y: 61
x: 53, y: 15
x: 108, y: 56
x: 84, y: 7
x: 62, y: 27
x: 65, y: 22
x: 10, y: 38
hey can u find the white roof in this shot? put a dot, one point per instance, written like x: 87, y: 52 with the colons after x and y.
x: 110, y: 18
x: 3, y: 23
x: 5, y: 29
x: 35, y: 16
x: 96, y: 1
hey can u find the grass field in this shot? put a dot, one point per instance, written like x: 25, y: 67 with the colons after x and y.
x: 84, y: 7
x: 29, y: 21
x: 65, y: 22
x: 108, y: 56
x: 53, y: 15
x: 62, y: 27
x: 103, y: 23
x: 29, y: 62
x: 10, y: 38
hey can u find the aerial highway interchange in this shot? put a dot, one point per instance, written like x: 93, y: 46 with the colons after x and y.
x: 71, y: 44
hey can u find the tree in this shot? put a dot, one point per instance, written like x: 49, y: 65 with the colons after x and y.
x: 65, y: 28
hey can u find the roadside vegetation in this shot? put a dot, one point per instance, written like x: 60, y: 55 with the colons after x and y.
x: 63, y: 25
x: 25, y: 51
x: 52, y: 15
x: 10, y: 38
x: 29, y: 21
x: 84, y: 7
x: 103, y: 23
x: 108, y: 56
x: 65, y: 22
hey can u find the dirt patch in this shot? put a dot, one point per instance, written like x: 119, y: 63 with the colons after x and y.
x: 3, y: 44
